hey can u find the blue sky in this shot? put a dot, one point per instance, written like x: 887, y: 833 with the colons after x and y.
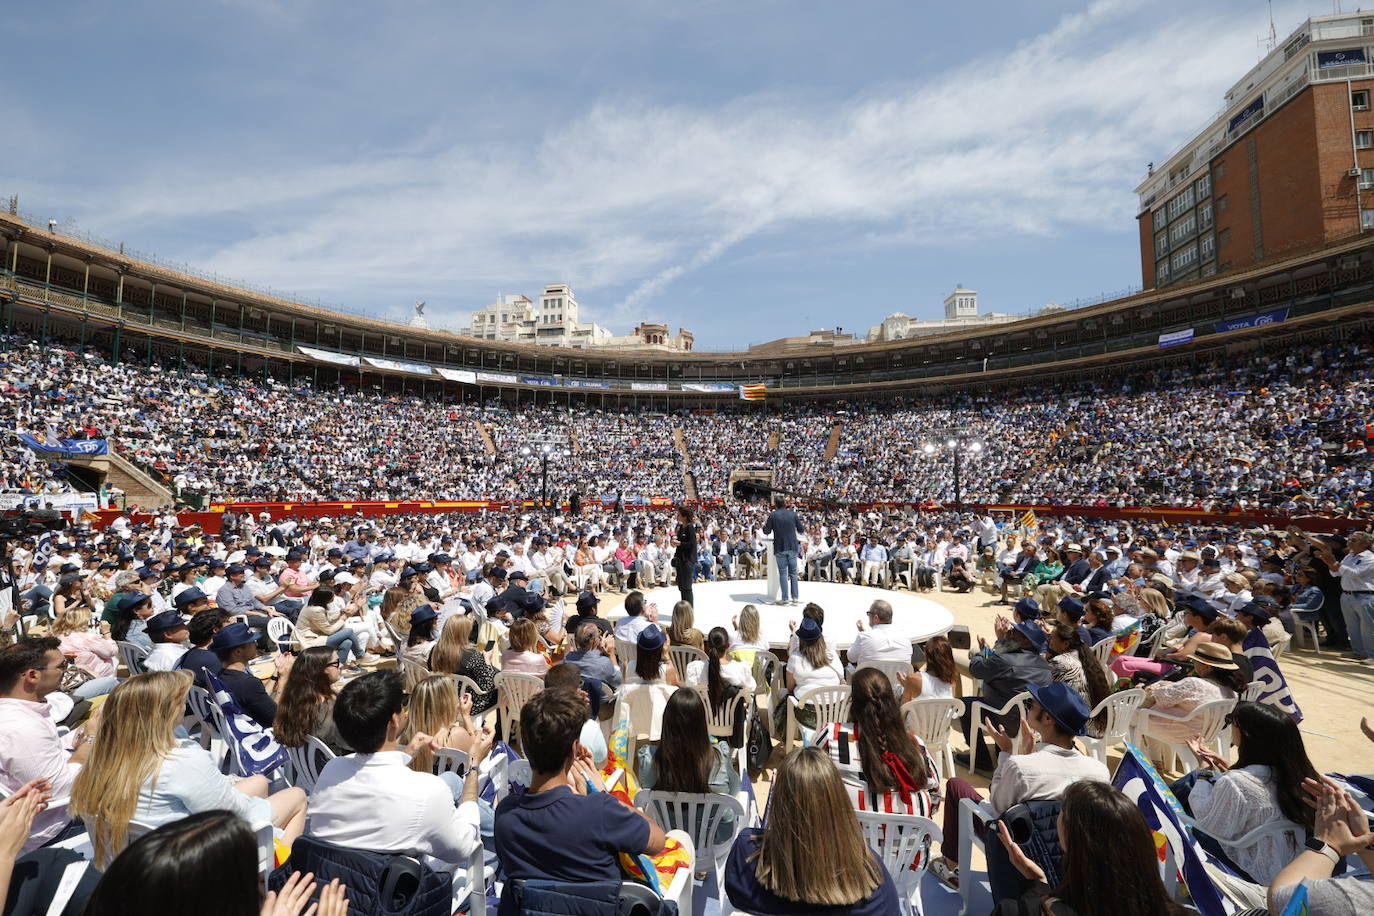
x: 747, y: 169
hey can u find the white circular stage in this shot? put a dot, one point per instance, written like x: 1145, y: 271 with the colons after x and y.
x: 845, y: 605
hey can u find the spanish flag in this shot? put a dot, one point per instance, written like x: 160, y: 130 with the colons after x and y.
x: 752, y: 392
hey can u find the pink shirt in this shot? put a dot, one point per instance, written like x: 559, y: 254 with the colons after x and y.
x: 93, y: 652
x: 513, y: 662
x: 30, y: 748
x: 294, y: 581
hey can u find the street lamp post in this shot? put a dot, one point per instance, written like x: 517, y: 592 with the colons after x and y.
x: 545, y: 451
x: 958, y: 444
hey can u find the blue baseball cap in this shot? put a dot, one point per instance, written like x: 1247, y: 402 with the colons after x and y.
x: 232, y: 636
x: 1028, y: 608
x: 1031, y: 631
x: 422, y: 613
x: 133, y: 600
x: 1063, y: 704
x: 189, y: 596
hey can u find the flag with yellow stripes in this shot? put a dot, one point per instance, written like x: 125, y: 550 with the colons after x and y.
x: 1029, y: 520
x: 752, y: 392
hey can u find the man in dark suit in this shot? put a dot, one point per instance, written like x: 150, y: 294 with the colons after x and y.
x: 1025, y: 564
x: 784, y: 525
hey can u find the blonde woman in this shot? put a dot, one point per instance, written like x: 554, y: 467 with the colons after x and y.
x: 745, y: 643
x: 589, y: 572
x: 454, y: 653
x: 138, y: 770
x: 523, y: 656
x: 92, y: 652
x: 811, y: 820
x: 397, y: 604
x: 682, y: 631
x: 436, y: 709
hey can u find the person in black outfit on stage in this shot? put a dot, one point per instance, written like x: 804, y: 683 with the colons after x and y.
x: 685, y: 556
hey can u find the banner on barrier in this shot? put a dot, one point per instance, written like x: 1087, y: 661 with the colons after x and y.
x: 81, y: 447
x: 504, y: 378
x: 648, y: 386
x: 1174, y: 338
x: 465, y: 376
x: 329, y: 356
x: 1254, y: 321
x: 396, y: 366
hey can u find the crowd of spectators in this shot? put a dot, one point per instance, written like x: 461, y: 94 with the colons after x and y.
x: 1288, y: 431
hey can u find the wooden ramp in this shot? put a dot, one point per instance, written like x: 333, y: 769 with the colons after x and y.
x: 833, y: 445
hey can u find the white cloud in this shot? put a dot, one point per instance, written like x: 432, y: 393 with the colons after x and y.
x: 630, y: 195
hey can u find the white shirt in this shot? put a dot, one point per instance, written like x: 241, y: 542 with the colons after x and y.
x: 164, y: 656
x: 807, y: 677
x: 376, y: 802
x: 1357, y: 572
x: 731, y: 671
x: 882, y: 643
x: 1044, y: 773
x: 30, y: 748
x: 630, y: 628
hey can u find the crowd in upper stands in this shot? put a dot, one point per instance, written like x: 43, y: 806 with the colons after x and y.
x: 1284, y: 430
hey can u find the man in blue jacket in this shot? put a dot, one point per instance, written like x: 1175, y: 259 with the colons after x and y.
x: 784, y: 525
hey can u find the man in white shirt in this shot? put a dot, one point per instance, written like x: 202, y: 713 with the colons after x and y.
x: 883, y: 642
x: 168, y: 633
x: 1356, y: 572
x: 421, y: 815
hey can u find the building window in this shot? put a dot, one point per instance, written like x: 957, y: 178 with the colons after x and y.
x: 1364, y: 139
x: 1204, y: 187
x: 1183, y: 259
x: 1209, y: 247
x: 1182, y: 229
x: 1367, y: 178
x: 1367, y: 219
x: 1222, y: 203
x: 1359, y: 100
x: 1161, y: 244
x: 1162, y: 271
x: 1223, y: 237
x: 1160, y: 219
x: 1219, y: 171
x: 1204, y: 215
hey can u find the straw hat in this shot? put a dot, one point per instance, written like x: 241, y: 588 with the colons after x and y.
x: 1214, y: 655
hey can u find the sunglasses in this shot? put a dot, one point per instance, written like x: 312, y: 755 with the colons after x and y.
x: 61, y: 666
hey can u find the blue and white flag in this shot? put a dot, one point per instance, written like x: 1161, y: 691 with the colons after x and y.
x: 47, y: 546
x: 1138, y: 780
x: 257, y: 751
x: 1275, y: 692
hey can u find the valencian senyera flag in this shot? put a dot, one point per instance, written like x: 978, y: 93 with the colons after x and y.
x: 753, y: 392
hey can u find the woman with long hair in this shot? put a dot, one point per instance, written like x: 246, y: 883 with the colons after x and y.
x: 940, y: 679
x: 1154, y: 610
x: 93, y: 652
x: 207, y: 862
x: 890, y: 767
x: 745, y: 642
x: 651, y: 659
x: 138, y: 770
x: 719, y: 672
x: 682, y: 631
x: 813, y: 664
x: 70, y: 593
x: 687, y: 759
x: 1075, y: 665
x: 810, y: 855
x: 436, y: 709
x: 306, y: 704
x: 1049, y: 569
x: 397, y: 603
x: 455, y: 654
x: 1111, y: 867
x: 523, y: 656
x: 1263, y: 786
x: 585, y: 566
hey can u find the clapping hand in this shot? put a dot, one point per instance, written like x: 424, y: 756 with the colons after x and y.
x: 482, y: 740
x: 1028, y: 869
x: 1000, y: 626
x: 419, y: 742
x: 1339, y: 819
x: 17, y: 813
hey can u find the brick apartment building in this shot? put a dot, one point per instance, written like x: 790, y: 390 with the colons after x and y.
x: 1287, y: 164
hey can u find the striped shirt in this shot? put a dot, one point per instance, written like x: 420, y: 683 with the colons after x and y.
x: 840, y: 741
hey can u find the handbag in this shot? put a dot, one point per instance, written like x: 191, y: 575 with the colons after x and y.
x: 760, y: 746
x: 75, y: 677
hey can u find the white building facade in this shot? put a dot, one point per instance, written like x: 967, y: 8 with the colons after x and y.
x: 961, y: 313
x: 553, y: 320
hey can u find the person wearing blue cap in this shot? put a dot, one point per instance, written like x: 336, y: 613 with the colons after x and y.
x: 168, y: 632
x: 130, y: 623
x: 1027, y: 771
x: 1004, y: 675
x: 236, y: 646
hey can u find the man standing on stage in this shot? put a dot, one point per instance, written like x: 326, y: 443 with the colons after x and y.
x: 784, y: 525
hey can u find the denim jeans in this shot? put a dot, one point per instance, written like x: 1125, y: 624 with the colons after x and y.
x: 345, y: 641
x: 1358, y: 611
x: 486, y: 816
x: 95, y: 687
x: 39, y: 598
x: 787, y: 573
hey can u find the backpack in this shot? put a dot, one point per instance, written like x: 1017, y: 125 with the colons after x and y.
x: 379, y: 883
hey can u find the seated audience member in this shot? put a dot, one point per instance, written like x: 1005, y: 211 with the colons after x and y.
x: 373, y: 800
x: 745, y: 642
x: 200, y: 631
x: 882, y: 642
x: 586, y: 613
x: 812, y: 665
x: 719, y: 672
x: 436, y: 709
x: 885, y: 767
x: 811, y: 610
x: 1256, y: 617
x: 682, y: 631
x: 1097, y: 617
x: 638, y: 617
x: 1198, y: 615
x: 92, y: 652
x: 236, y: 646
x: 1216, y: 676
x: 139, y: 770
x: 31, y: 883
x: 321, y: 624
x: 129, y: 623
x: 420, y: 641
x: 595, y: 654
x: 567, y: 676
x: 565, y: 827
x: 810, y: 855
x: 1265, y: 785
x: 306, y: 705
x: 959, y: 578
x: 687, y: 759
x: 455, y: 654
x: 651, y: 659
x: 1074, y: 664
x: 1340, y: 828
x: 523, y: 656
x: 1026, y: 771
x: 168, y: 632
x: 1230, y: 632
x: 940, y: 677
x: 210, y: 858
x: 30, y: 749
x: 1119, y: 877
x: 1004, y: 675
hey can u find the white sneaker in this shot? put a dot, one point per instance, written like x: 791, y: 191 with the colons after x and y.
x: 369, y: 658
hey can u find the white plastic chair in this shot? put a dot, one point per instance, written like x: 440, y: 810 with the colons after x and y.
x: 641, y: 706
x: 681, y: 657
x: 626, y: 653
x: 513, y: 691
x: 305, y: 762
x: 282, y: 632
x: 899, y: 840
x: 412, y: 672
x: 700, y: 817
x: 931, y: 720
x: 720, y: 723
x: 1280, y: 647
x: 198, y: 698
x: 1253, y: 691
x: 830, y: 703
x: 1102, y: 651
x: 1306, y: 625
x: 1207, y: 720
x: 894, y: 671
x: 133, y: 657
x: 974, y: 892
x: 450, y: 760
x: 1120, y: 708
x: 980, y: 709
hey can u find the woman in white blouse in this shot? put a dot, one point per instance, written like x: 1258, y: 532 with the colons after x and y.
x: 812, y: 665
x: 1263, y: 787
x: 719, y: 669
x: 139, y: 771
